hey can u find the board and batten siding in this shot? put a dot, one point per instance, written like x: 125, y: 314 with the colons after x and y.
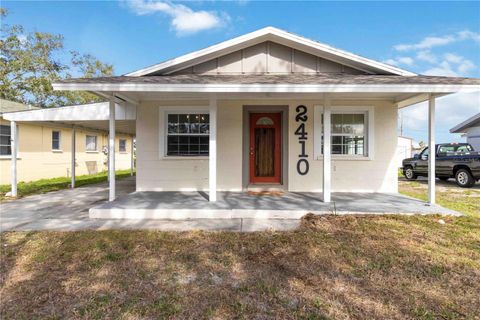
x: 155, y: 172
x: 268, y: 57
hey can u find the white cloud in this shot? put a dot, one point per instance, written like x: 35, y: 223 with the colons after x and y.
x: 443, y: 69
x: 454, y: 65
x: 391, y: 62
x: 450, y: 111
x: 430, y: 42
x: 400, y: 60
x: 427, y: 56
x: 451, y: 57
x: 184, y: 19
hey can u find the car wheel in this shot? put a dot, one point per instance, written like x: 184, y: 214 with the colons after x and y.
x: 409, y: 173
x: 464, y: 178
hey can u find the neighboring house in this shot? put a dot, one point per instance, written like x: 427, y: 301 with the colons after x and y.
x: 266, y: 110
x: 44, y: 148
x: 406, y: 148
x: 470, y: 129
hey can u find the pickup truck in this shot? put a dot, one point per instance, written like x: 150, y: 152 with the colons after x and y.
x: 453, y: 160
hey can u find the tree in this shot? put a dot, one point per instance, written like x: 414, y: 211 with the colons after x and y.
x: 31, y: 62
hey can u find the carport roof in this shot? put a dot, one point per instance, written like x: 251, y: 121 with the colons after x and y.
x: 89, y: 116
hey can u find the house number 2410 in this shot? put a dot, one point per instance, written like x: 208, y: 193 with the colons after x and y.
x: 302, y: 164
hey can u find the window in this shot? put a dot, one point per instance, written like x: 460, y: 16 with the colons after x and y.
x: 348, y: 133
x: 55, y: 140
x: 91, y: 143
x: 351, y: 130
x: 188, y: 134
x: 5, y: 141
x: 122, y: 145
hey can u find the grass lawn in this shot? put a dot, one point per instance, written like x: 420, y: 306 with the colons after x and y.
x: 333, y: 267
x: 47, y: 185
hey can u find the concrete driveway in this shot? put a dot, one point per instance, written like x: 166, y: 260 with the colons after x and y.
x: 67, y: 210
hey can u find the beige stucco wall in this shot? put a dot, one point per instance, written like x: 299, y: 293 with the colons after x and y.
x: 36, y: 160
x: 158, y: 173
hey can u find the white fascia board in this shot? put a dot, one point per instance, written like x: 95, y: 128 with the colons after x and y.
x: 86, y: 112
x: 265, y: 34
x: 265, y: 88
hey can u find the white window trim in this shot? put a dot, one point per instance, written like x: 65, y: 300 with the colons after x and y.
x: 96, y: 143
x: 59, y: 150
x: 163, y: 126
x: 317, y: 128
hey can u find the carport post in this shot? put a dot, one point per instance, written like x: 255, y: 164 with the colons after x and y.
x: 132, y: 160
x: 73, y: 158
x: 327, y: 157
x: 13, y: 148
x: 111, y: 152
x: 432, y: 149
x: 212, y: 163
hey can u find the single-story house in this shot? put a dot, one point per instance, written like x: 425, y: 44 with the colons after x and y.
x: 44, y: 146
x: 470, y: 129
x: 269, y: 111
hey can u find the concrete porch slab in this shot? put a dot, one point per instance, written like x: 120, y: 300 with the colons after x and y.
x: 241, y: 205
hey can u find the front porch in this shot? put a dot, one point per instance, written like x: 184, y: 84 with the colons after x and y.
x: 244, y: 205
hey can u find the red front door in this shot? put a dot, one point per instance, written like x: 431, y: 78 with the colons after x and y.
x: 265, y: 148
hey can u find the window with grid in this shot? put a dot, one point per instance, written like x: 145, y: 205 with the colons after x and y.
x: 122, y: 145
x: 349, y: 134
x: 91, y: 143
x: 5, y: 141
x: 188, y: 134
x: 55, y: 140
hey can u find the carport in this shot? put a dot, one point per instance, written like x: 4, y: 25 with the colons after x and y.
x: 116, y: 116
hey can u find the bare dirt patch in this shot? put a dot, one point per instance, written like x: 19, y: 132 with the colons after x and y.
x: 331, y: 268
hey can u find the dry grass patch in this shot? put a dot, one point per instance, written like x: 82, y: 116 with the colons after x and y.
x: 331, y: 268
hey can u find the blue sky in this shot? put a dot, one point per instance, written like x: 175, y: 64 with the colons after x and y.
x: 438, y: 38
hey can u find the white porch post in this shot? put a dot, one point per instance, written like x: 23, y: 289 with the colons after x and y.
x: 111, y: 152
x: 327, y: 158
x: 432, y: 149
x: 13, y: 148
x: 132, y: 160
x: 73, y: 158
x: 212, y: 163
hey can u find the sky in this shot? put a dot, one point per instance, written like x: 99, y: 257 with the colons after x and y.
x: 434, y: 38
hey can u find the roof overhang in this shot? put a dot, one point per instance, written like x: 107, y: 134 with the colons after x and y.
x: 86, y: 112
x: 471, y: 122
x: 88, y: 116
x: 278, y: 36
x: 266, y: 88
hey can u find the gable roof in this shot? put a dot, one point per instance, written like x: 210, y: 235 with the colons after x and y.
x: 471, y: 122
x: 274, y: 35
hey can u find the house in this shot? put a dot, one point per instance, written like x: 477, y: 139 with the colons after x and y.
x: 406, y: 148
x: 44, y: 149
x: 470, y: 129
x: 269, y: 111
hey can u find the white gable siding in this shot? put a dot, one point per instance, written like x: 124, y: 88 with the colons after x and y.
x: 268, y: 57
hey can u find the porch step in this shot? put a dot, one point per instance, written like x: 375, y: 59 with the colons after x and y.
x: 274, y: 188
